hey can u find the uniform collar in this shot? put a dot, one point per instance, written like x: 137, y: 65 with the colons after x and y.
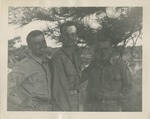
x: 37, y: 59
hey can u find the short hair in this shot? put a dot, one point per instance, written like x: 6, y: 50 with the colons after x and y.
x: 33, y: 34
x: 68, y: 23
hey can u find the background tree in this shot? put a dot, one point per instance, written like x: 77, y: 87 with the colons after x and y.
x: 122, y: 24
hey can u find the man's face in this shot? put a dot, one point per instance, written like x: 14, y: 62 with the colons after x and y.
x: 38, y: 45
x: 69, y: 36
x: 104, y: 50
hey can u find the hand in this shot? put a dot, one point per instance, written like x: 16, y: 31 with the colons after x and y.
x: 30, y: 103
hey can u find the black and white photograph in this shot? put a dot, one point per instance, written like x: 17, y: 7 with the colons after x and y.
x: 75, y: 59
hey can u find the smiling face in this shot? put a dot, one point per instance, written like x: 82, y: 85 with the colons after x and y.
x: 38, y: 45
x: 69, y: 36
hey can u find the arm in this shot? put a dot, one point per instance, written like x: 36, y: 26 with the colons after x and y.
x: 87, y: 89
x: 15, y: 95
x: 60, y: 84
x: 84, y: 82
x: 126, y: 82
x: 91, y: 88
x: 15, y: 78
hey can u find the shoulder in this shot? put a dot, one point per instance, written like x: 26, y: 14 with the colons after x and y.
x: 27, y: 62
x: 58, y: 54
x: 121, y: 65
x: 23, y: 65
x: 117, y: 60
x: 56, y: 58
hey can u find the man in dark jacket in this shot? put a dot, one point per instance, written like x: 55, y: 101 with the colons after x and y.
x: 66, y: 72
x: 109, y: 79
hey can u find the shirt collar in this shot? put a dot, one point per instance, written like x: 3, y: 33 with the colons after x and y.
x: 37, y: 59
